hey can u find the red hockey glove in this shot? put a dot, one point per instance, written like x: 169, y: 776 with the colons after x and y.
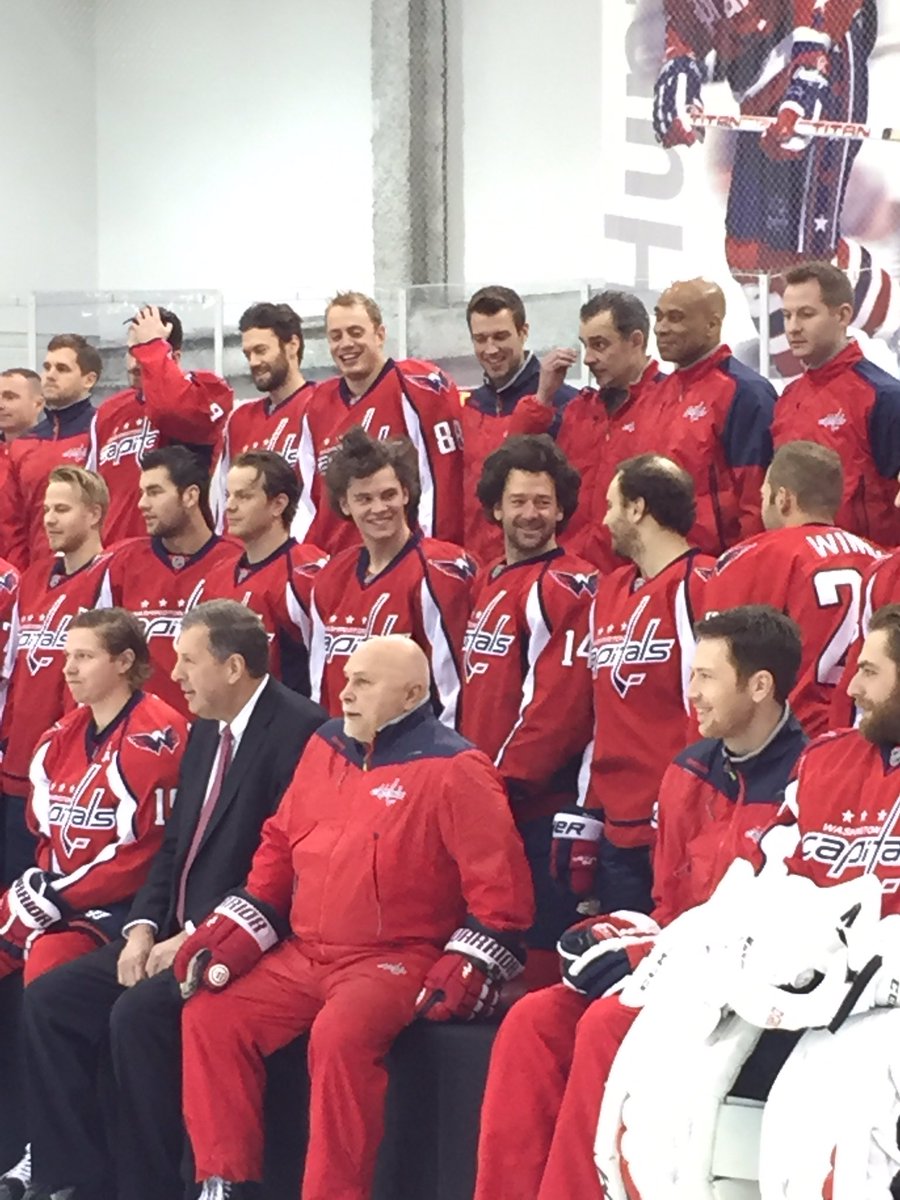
x: 28, y: 908
x: 575, y: 849
x: 805, y: 96
x: 599, y: 954
x: 228, y: 943
x: 465, y: 982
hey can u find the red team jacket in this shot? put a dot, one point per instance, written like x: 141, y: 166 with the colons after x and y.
x: 394, y: 847
x: 595, y: 441
x: 99, y: 804
x: 714, y: 808
x: 847, y: 808
x: 278, y: 589
x: 60, y: 439
x: 642, y: 646
x: 852, y: 406
x: 814, y: 574
x: 410, y: 399
x: 257, y: 424
x: 881, y: 586
x: 48, y: 600
x: 170, y: 407
x: 526, y: 693
x: 159, y: 588
x: 423, y: 593
x: 714, y: 420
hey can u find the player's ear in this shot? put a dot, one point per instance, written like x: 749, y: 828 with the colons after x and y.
x: 125, y: 662
x: 761, y: 686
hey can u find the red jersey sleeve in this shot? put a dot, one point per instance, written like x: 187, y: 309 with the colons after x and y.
x: 432, y: 414
x: 477, y: 829
x: 530, y: 416
x: 444, y: 602
x: 542, y: 741
x: 186, y: 407
x: 14, y: 518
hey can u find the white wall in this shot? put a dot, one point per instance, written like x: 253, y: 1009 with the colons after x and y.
x: 531, y: 110
x: 48, y: 210
x: 234, y: 145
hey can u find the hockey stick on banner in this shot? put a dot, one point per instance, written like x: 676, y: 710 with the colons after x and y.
x: 747, y: 123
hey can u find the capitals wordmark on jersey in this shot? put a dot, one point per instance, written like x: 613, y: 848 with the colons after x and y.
x: 131, y: 439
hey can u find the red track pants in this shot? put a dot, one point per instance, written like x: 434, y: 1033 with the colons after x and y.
x: 353, y: 1008
x: 548, y: 1070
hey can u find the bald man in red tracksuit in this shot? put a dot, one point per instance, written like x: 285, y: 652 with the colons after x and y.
x: 376, y: 855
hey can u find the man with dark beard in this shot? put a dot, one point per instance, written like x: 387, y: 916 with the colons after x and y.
x: 526, y: 690
x: 272, y: 343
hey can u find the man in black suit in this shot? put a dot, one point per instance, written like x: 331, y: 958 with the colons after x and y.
x: 240, y: 757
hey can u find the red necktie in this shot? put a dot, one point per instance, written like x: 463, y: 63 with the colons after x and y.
x: 226, y: 745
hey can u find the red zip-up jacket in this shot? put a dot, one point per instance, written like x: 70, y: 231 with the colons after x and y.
x: 714, y: 420
x: 171, y: 407
x: 852, y: 406
x: 394, y: 846
x: 60, y: 439
x: 595, y: 441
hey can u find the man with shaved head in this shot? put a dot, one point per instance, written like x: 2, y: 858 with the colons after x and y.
x: 389, y: 884
x: 715, y: 414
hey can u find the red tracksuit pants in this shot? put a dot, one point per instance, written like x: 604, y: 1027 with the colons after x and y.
x: 353, y: 1008
x: 548, y: 1070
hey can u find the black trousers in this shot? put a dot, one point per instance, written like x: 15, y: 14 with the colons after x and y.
x: 73, y: 1018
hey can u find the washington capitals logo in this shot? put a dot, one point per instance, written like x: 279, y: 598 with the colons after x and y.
x: 8, y: 582
x: 156, y: 740
x: 732, y: 555
x: 577, y: 583
x: 457, y: 568
x: 435, y: 380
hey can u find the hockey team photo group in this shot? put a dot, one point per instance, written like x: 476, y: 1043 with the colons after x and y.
x: 414, y: 788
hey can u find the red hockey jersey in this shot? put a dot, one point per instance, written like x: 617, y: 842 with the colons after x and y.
x: 259, y: 425
x: 278, y: 589
x: 642, y: 646
x: 60, y: 439
x: 171, y: 407
x: 423, y: 593
x: 37, y: 698
x: 408, y: 399
x: 846, y: 803
x: 852, y: 406
x: 99, y: 802
x: 880, y: 586
x: 714, y: 421
x: 9, y: 594
x: 524, y: 659
x: 395, y: 846
x: 595, y: 441
x: 159, y: 588
x: 813, y: 573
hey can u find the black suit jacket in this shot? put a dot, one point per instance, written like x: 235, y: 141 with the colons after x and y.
x: 279, y: 728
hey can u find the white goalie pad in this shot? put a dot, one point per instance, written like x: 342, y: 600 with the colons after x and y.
x: 657, y: 1130
x: 830, y: 1125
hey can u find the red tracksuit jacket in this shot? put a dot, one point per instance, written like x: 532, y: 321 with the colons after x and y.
x: 48, y: 599
x: 423, y: 592
x: 259, y: 425
x: 714, y: 421
x: 392, y: 846
x: 99, y: 804
x: 524, y: 658
x: 596, y: 441
x: 813, y: 573
x: 714, y: 808
x: 171, y: 407
x: 278, y: 589
x: 60, y: 439
x: 408, y: 399
x: 852, y: 406
x: 642, y: 646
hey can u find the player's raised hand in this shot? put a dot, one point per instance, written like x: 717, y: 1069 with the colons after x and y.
x: 148, y: 326
x: 677, y: 91
x: 554, y: 367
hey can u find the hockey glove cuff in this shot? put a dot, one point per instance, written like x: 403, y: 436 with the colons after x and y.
x: 226, y: 945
